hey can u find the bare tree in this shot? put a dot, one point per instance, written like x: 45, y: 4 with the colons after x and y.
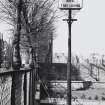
x: 37, y: 22
x: 39, y: 19
x: 1, y: 50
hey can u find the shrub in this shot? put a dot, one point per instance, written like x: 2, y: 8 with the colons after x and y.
x: 83, y: 96
x: 103, y: 98
x: 103, y: 93
x: 96, y: 97
x: 90, y: 98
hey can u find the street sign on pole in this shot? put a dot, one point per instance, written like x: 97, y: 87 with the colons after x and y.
x: 70, y: 4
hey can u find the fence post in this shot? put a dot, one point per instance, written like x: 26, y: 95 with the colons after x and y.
x: 33, y: 86
x: 13, y: 91
x: 30, y: 89
x: 16, y: 89
x: 25, y: 88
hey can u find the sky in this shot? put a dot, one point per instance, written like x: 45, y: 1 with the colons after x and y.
x: 4, y: 29
x: 88, y: 33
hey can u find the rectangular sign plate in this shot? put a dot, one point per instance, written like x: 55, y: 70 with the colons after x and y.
x: 70, y: 4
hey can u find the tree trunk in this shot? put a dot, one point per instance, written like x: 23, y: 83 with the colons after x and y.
x: 16, y: 40
x: 17, y: 78
x: 1, y: 50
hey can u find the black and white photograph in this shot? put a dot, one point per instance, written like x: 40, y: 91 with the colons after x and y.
x: 52, y: 52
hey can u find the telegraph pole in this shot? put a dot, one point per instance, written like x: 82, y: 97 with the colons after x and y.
x: 69, y: 65
x: 69, y: 62
x: 69, y: 5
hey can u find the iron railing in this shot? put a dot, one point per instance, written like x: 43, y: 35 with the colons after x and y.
x: 17, y: 87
